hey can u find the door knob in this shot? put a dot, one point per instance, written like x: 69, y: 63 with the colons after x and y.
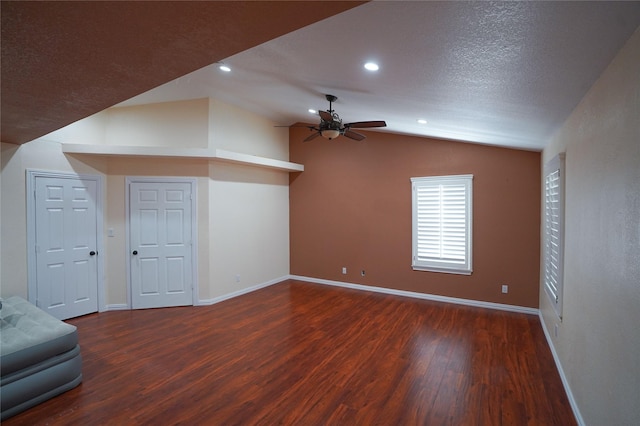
x: 92, y: 253
x: 134, y: 252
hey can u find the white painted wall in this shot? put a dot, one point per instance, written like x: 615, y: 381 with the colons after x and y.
x: 243, y: 211
x: 249, y: 206
x: 238, y: 130
x: 181, y: 124
x: 91, y: 131
x: 598, y: 342
x: 249, y: 227
x: 2, y: 148
x: 16, y: 159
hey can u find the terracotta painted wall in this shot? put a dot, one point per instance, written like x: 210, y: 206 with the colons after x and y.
x: 351, y: 207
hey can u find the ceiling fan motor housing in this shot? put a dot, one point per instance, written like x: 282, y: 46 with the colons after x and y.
x: 331, y: 129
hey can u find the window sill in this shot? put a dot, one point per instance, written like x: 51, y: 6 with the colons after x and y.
x: 442, y: 270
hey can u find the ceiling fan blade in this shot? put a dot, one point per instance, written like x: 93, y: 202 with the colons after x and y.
x: 300, y: 125
x: 326, y: 116
x: 365, y: 124
x: 311, y: 137
x: 354, y: 135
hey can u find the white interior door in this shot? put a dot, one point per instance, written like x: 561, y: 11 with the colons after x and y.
x: 161, y: 244
x: 66, y: 246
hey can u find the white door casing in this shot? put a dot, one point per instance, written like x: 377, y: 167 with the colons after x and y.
x: 63, y: 222
x: 162, y: 241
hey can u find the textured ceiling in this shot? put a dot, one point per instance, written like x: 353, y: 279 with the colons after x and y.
x: 63, y: 61
x: 500, y: 73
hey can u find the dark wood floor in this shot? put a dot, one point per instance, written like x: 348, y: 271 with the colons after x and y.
x: 308, y: 354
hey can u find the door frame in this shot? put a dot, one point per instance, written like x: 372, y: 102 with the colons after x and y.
x: 32, y: 284
x: 194, y: 228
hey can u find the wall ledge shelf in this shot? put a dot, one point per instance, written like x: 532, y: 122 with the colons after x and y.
x: 191, y: 153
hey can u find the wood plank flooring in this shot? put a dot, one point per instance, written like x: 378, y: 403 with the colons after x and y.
x: 306, y: 354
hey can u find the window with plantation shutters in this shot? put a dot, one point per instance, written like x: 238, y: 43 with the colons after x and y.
x: 442, y: 219
x: 554, y: 231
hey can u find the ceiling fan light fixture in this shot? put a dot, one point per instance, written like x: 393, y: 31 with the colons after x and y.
x: 330, y: 133
x: 331, y: 126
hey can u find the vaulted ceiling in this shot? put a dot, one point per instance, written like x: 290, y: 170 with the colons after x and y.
x: 500, y: 73
x: 63, y: 61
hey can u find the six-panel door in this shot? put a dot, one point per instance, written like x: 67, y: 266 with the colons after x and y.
x: 160, y: 215
x: 66, y: 246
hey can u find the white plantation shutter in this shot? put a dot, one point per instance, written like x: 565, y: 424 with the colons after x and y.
x: 442, y: 223
x: 554, y: 231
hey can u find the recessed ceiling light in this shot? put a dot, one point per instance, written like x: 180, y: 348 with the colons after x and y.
x: 312, y: 111
x: 421, y: 121
x: 224, y: 68
x: 371, y: 66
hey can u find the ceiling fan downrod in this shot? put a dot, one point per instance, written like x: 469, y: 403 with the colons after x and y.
x: 331, y: 99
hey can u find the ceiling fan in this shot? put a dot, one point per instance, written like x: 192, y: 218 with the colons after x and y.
x: 331, y: 126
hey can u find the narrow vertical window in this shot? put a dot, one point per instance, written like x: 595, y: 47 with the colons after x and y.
x: 554, y: 231
x: 442, y: 223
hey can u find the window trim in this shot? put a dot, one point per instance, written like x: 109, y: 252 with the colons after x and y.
x: 434, y: 264
x: 556, y: 164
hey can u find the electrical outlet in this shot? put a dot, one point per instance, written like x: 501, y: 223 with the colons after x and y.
x: 237, y: 278
x: 505, y: 288
x: 344, y: 270
x: 362, y: 272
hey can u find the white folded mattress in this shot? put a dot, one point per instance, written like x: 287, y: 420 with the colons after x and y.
x: 39, y: 356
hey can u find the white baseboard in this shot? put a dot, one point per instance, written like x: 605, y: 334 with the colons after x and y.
x: 404, y: 293
x: 204, y: 302
x: 434, y: 297
x: 117, y: 307
x: 563, y: 377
